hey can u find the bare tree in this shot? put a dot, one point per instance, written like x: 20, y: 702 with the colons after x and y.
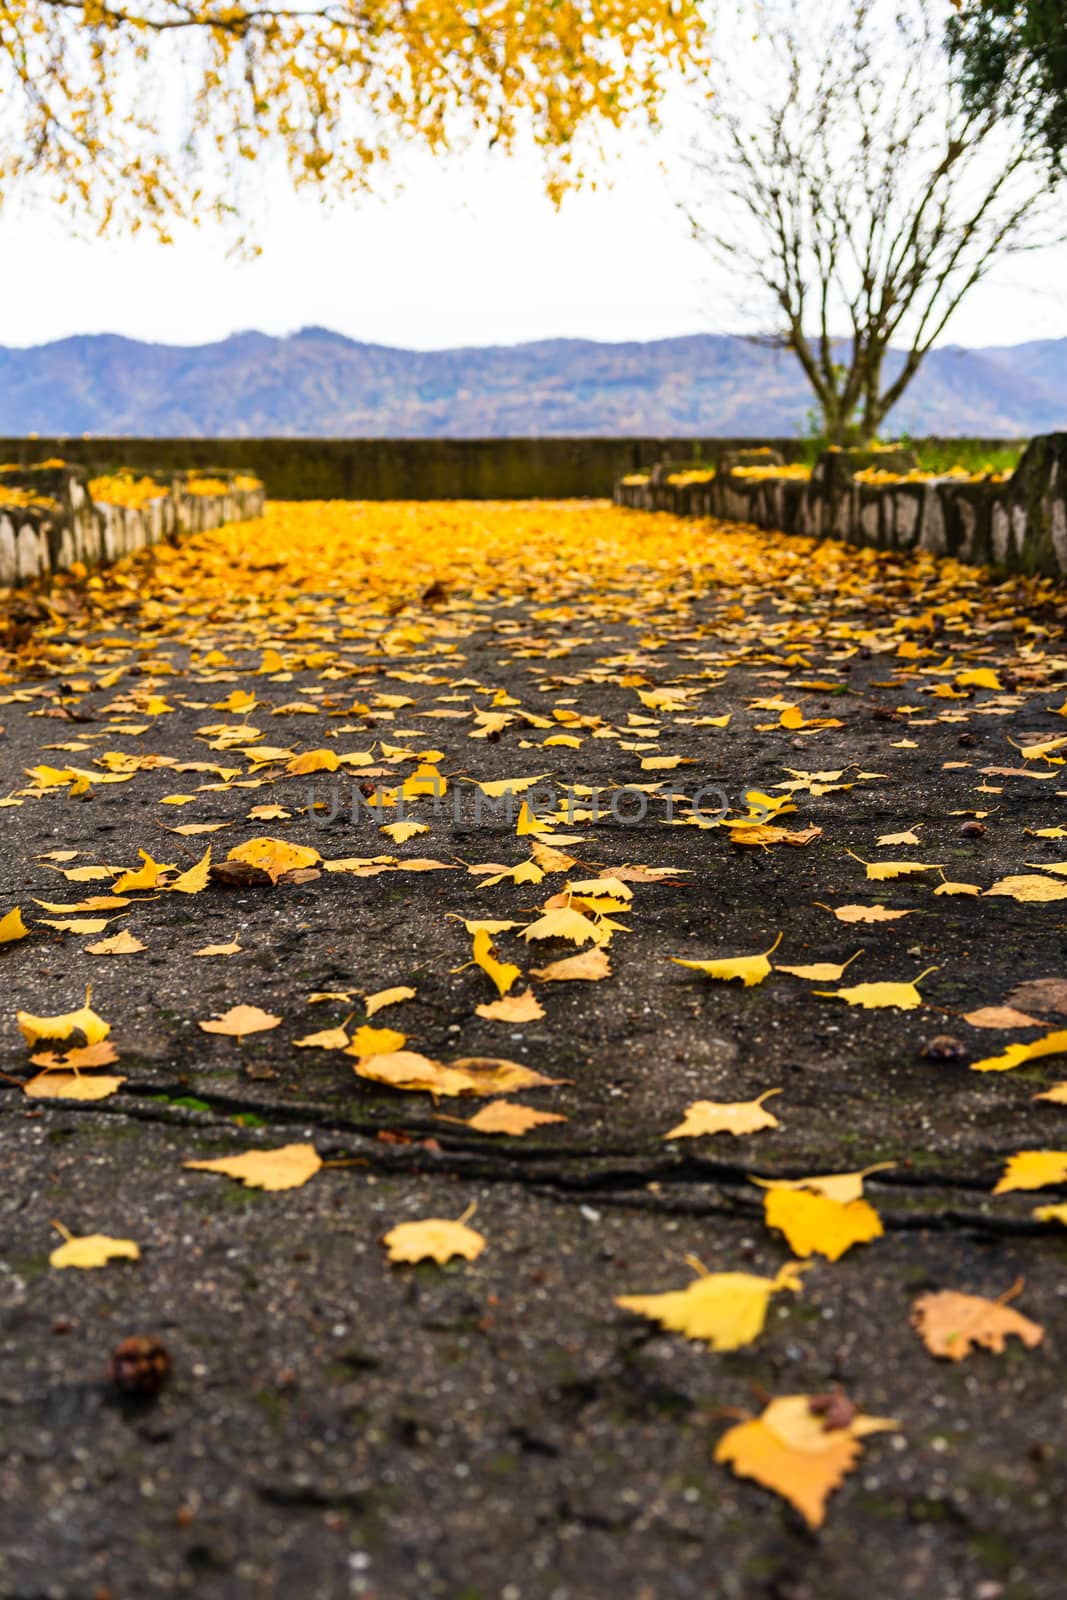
x: 856, y: 199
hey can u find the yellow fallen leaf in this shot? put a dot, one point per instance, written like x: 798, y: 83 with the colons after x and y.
x: 865, y: 913
x: 952, y: 1324
x: 91, y: 1250
x: 1000, y: 1017
x: 1033, y: 1169
x: 502, y: 786
x: 434, y: 1239
x: 749, y: 969
x: 144, y: 877
x: 880, y: 871
x: 1016, y: 1055
x: 376, y: 1042
x: 53, y: 1085
x: 120, y: 944
x: 502, y: 973
x: 1052, y: 1213
x: 239, y: 1021
x: 275, y: 856
x: 958, y: 888
x: 1057, y: 1093
x: 798, y: 1449
x: 313, y: 761
x: 231, y: 949
x: 523, y: 1007
x: 83, y: 1021
x: 288, y: 1167
x: 909, y: 837
x: 387, y: 997
x: 564, y: 923
x: 871, y: 996
x: 401, y: 832
x: 816, y: 1223
x: 83, y: 1058
x: 736, y: 1117
x: 501, y: 1116
x: 12, y: 927
x: 80, y: 925
x: 1029, y: 888
x: 328, y: 1039
x: 590, y: 967
x: 196, y: 879
x: 821, y: 971
x: 481, y: 1075
x: 725, y: 1310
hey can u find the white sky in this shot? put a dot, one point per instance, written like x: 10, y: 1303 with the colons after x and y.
x: 468, y: 252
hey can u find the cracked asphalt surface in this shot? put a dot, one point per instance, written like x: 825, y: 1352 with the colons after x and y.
x: 499, y: 1429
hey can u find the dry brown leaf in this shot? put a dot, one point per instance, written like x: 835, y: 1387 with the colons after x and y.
x: 1000, y: 1017
x: 1041, y: 994
x: 952, y: 1324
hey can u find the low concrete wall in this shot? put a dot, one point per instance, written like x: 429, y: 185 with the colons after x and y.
x: 63, y: 525
x: 407, y: 469
x: 1020, y: 524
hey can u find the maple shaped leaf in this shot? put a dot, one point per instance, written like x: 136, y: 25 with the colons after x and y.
x: 749, y: 970
x: 434, y: 1239
x: 952, y: 1324
x: 239, y: 1021
x: 723, y: 1309
x: 872, y: 996
x: 288, y: 1167
x: 714, y: 1116
x: 792, y: 1450
x: 1033, y: 1169
x: 501, y: 1116
x: 84, y: 1021
x: 822, y: 1215
x: 91, y: 1250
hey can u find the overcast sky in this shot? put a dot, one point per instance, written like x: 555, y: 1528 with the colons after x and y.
x: 468, y: 252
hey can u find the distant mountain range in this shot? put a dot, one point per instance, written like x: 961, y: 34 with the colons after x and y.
x: 319, y: 384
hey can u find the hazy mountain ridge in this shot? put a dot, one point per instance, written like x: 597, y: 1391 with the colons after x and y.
x: 320, y: 384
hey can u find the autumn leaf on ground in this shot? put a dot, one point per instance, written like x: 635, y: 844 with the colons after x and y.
x: 59, y: 1085
x: 12, y: 927
x: 146, y: 876
x: 881, y: 871
x: 83, y: 1058
x: 1029, y: 888
x: 523, y: 1007
x: 823, y: 1215
x: 724, y: 1309
x: 565, y: 923
x: 1051, y: 1214
x: 863, y: 913
x: 795, y: 1449
x: 288, y: 1167
x: 275, y: 857
x: 387, y: 997
x: 231, y: 949
x: 908, y: 837
x: 1016, y: 1055
x: 821, y: 971
x: 1056, y: 1092
x: 434, y: 1239
x: 952, y: 1324
x: 483, y: 954
x: 482, y: 1075
x: 241, y: 1020
x: 120, y: 944
x: 1034, y: 1169
x: 590, y: 967
x: 1041, y: 994
x: 83, y: 1021
x: 1000, y: 1017
x: 328, y: 1039
x: 81, y: 925
x: 91, y: 1250
x: 376, y: 1041
x: 501, y: 1116
x: 871, y: 996
x: 736, y: 1117
x: 196, y: 879
x: 749, y: 969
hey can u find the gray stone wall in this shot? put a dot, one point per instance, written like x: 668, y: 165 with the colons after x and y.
x: 1020, y: 525
x: 67, y: 526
